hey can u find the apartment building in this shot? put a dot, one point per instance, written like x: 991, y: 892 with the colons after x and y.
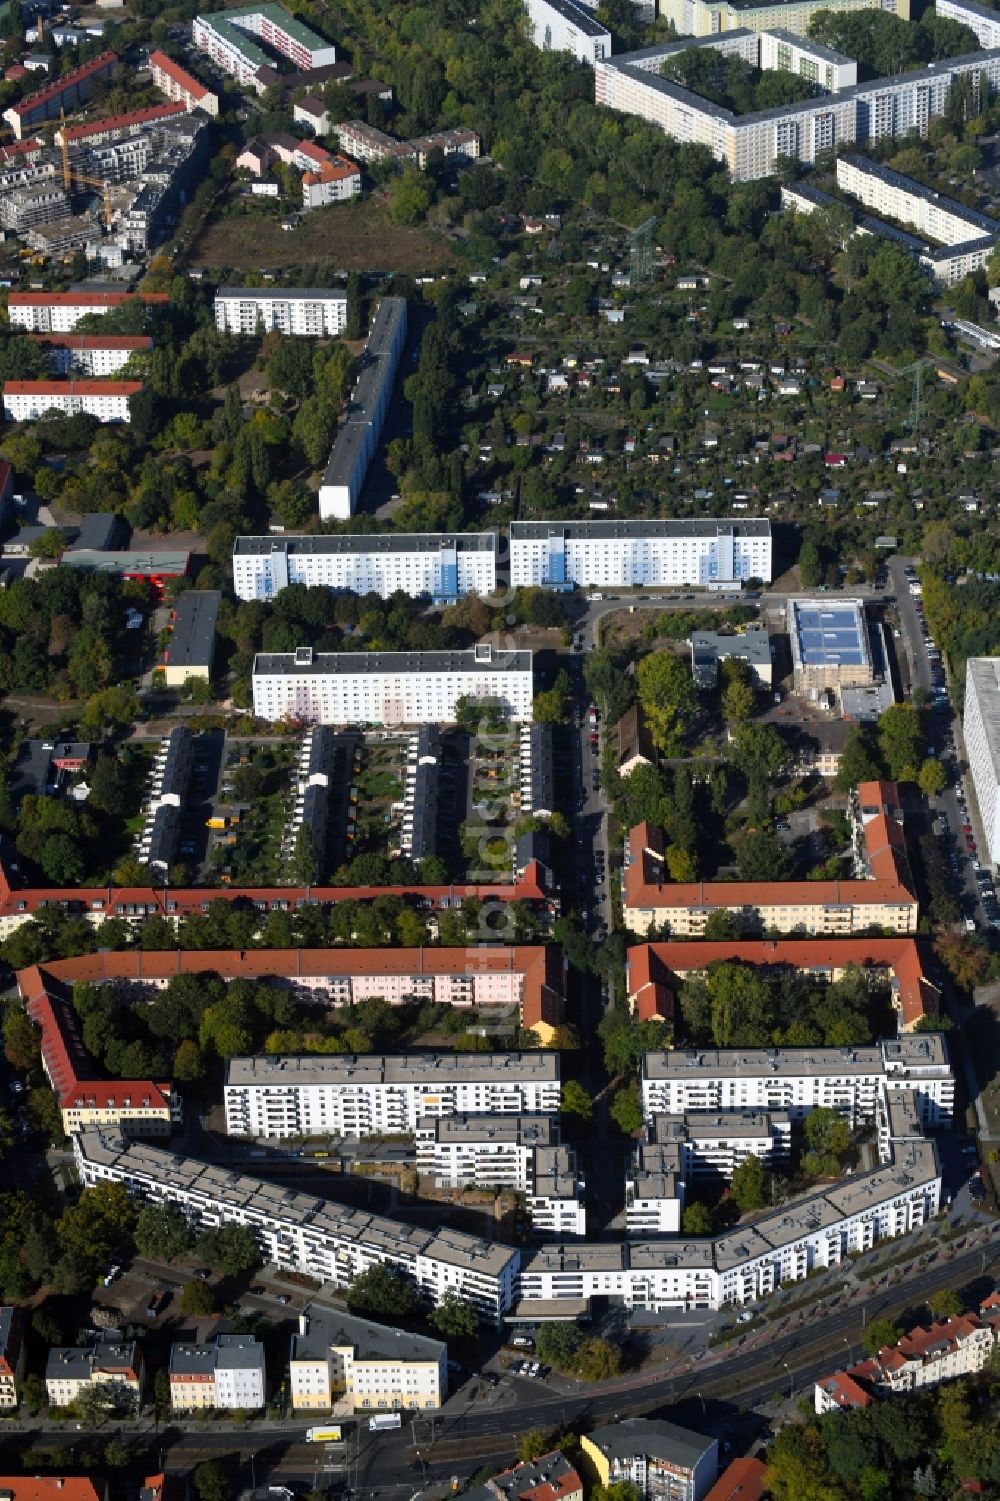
x: 443, y: 566
x: 957, y: 1346
x: 335, y: 1356
x: 190, y: 652
x: 334, y: 180
x: 527, y: 977
x: 271, y: 1097
x: 654, y: 971
x: 107, y: 400
x: 664, y: 1462
x: 565, y: 26
x: 139, y: 1107
x: 829, y: 644
x: 96, y: 355
x: 12, y: 1355
x: 312, y: 312
x: 700, y: 18
x: 521, y: 1153
x: 369, y: 144
x: 750, y: 145
x: 361, y: 429
x: 300, y: 1233
x: 24, y: 208
x: 781, y: 51
x: 887, y: 192
x: 109, y: 1362
x: 703, y: 1144
x: 881, y: 896
x: 795, y: 1081
x: 981, y: 732
x: 52, y: 1488
x: 979, y: 18
x: 59, y: 312
x: 230, y: 38
x: 224, y: 1376
x: 107, y: 128
x: 62, y: 94
x: 179, y: 85
x: 388, y: 688
x: 598, y: 554
x: 456, y: 143
x: 709, y: 648
x: 551, y: 1477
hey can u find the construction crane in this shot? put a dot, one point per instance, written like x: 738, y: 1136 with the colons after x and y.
x: 72, y: 177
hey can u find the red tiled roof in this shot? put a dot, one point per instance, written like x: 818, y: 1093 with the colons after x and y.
x: 81, y: 299
x: 68, y: 1065
x: 111, y: 901
x: 65, y: 81
x: 845, y: 1390
x: 181, y: 77
x: 123, y: 122
x: 50, y: 1488
x: 891, y: 882
x: 71, y: 387
x: 19, y: 148
x: 539, y: 964
x: 93, y: 341
x: 742, y: 1480
x: 652, y: 966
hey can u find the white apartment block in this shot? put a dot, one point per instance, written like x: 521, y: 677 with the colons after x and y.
x: 521, y: 1153
x: 798, y: 1080
x: 898, y: 197
x: 979, y: 18
x: 700, y: 18
x: 749, y: 145
x: 440, y: 565
x: 388, y: 687
x: 782, y: 51
x: 361, y: 429
x: 680, y: 1148
x: 230, y: 38
x: 568, y: 26
x: 357, y: 1096
x: 107, y: 400
x: 335, y: 1356
x: 60, y: 312
x: 300, y: 1233
x: 97, y: 355
x: 226, y: 1375
x: 313, y: 312
x: 180, y: 85
x: 585, y: 554
x: 958, y: 1346
x: 981, y: 731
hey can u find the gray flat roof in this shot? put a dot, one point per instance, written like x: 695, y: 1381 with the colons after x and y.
x: 753, y: 646
x: 193, y: 641
x: 370, y: 663
x: 283, y: 294
x: 654, y: 1438
x: 328, y: 1327
x: 983, y: 675
x: 597, y: 531
x: 806, y: 44
x: 578, y: 16
x: 375, y: 371
x: 402, y: 1068
x: 384, y: 542
x: 518, y: 1130
x: 925, y: 1050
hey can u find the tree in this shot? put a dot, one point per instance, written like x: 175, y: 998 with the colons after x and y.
x: 721, y: 926
x: 211, y: 1482
x: 533, y: 1444
x: 945, y: 1304
x: 697, y: 1219
x: 381, y: 1291
x: 741, y: 1005
x: 576, y: 1101
x: 188, y: 1064
x: 20, y: 1038
x: 761, y: 856
x: 626, y: 1109
x: 230, y: 1249
x: 161, y: 1232
x: 859, y: 760
x: 901, y: 740
x: 681, y: 864
x: 598, y: 1359
x: 558, y: 1343
x: 737, y: 701
x: 410, y: 198
x: 618, y: 1490
x: 117, y: 1454
x: 455, y: 1318
x: 303, y: 867
x: 668, y: 698
x: 197, y: 1298
x: 749, y: 1184
x: 931, y: 778
x: 826, y: 1131
x: 809, y: 564
x: 881, y: 1332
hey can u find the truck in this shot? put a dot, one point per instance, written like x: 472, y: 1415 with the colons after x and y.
x: 331, y: 1435
x: 157, y: 1303
x: 384, y: 1421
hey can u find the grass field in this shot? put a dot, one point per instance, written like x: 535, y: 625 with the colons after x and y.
x: 356, y: 236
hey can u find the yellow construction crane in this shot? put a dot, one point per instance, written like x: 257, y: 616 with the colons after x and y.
x: 71, y: 176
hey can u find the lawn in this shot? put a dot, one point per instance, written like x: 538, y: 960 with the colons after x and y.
x: 357, y: 236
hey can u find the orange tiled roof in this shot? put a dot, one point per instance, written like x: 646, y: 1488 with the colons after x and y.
x: 742, y: 1480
